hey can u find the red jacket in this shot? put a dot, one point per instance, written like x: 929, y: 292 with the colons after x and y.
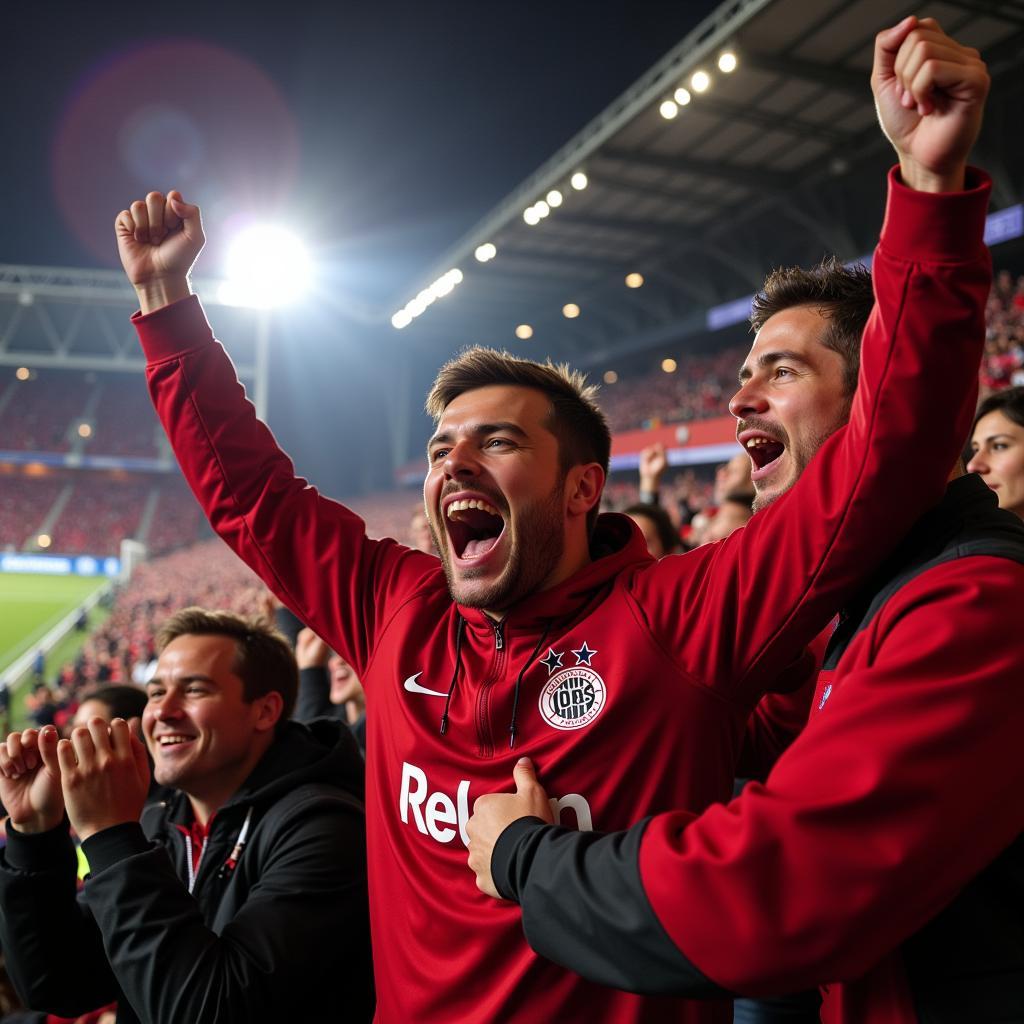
x: 636, y: 677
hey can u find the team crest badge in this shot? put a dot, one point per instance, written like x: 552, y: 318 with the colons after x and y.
x: 573, y: 697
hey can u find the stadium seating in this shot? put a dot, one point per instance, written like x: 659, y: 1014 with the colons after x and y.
x: 41, y: 414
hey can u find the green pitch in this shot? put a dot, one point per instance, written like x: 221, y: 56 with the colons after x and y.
x: 30, y: 606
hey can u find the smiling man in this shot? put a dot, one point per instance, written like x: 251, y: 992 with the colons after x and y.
x: 240, y: 898
x: 546, y: 629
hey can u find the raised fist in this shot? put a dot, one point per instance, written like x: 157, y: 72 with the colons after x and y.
x: 30, y: 780
x: 158, y: 240
x: 930, y: 94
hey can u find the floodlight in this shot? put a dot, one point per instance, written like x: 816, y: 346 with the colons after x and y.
x: 401, y: 319
x: 22, y: 373
x: 578, y: 181
x: 634, y: 280
x: 531, y: 216
x: 486, y: 252
x: 700, y: 81
x: 727, y: 62
x: 668, y: 109
x: 84, y: 430
x: 554, y: 198
x: 681, y: 96
x: 610, y: 376
x: 267, y: 265
x: 43, y: 540
x: 524, y: 332
x: 668, y: 365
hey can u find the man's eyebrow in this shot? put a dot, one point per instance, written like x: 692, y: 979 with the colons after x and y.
x: 480, y: 430
x: 183, y: 680
x: 767, y: 359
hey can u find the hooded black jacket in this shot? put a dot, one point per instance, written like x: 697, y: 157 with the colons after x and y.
x: 277, y: 932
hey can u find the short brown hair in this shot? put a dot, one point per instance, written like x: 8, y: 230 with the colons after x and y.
x: 842, y: 294
x: 264, y: 660
x: 576, y: 419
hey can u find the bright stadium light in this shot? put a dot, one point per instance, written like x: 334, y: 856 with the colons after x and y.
x: 681, y: 96
x: 524, y: 332
x: 542, y: 208
x: 267, y: 265
x: 486, y: 252
x: 610, y: 376
x: 727, y: 62
x: 23, y: 373
x: 401, y: 319
x: 669, y: 365
x: 578, y: 181
x: 554, y: 198
x: 634, y: 280
x: 668, y: 109
x: 531, y: 216
x: 44, y: 540
x: 570, y: 311
x: 700, y: 81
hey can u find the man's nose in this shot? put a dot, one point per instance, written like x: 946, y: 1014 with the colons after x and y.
x: 747, y: 400
x: 461, y: 461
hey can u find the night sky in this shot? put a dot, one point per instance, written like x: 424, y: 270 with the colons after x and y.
x: 381, y: 131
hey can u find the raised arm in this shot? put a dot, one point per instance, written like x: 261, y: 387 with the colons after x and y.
x: 767, y: 590
x: 310, y: 551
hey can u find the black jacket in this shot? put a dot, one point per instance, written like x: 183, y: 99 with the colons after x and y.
x: 279, y: 931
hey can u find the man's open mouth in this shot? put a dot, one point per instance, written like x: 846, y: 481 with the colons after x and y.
x: 763, y: 451
x: 474, y: 526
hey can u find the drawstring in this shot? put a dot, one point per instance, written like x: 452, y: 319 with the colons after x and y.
x: 229, y: 865
x: 519, y: 682
x: 459, y: 630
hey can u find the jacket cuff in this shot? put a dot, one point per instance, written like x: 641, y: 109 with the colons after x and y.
x: 936, y: 227
x: 36, y: 851
x: 105, y: 848
x: 173, y: 330
x: 503, y: 856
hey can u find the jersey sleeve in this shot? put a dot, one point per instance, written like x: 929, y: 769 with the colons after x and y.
x: 312, y: 552
x: 900, y: 790
x: 734, y: 614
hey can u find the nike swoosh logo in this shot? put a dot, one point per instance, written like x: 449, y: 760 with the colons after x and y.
x: 413, y: 687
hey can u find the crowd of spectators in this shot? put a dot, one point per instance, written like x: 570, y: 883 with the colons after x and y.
x: 99, y: 514
x: 697, y: 389
x: 124, y: 423
x: 1003, y: 365
x: 24, y: 501
x: 37, y: 413
x: 121, y: 650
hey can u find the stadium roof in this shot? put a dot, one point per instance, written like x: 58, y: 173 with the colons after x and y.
x: 778, y: 161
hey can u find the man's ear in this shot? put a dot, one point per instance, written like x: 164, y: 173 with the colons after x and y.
x: 268, y: 709
x: 583, y: 488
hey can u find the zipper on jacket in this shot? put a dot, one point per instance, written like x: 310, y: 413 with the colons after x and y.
x: 484, y: 734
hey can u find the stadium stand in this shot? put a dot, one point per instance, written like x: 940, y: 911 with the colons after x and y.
x: 125, y: 424
x: 24, y: 502
x: 99, y: 514
x: 103, y: 509
x: 37, y: 413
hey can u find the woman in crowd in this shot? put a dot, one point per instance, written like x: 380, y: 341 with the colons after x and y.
x: 997, y: 447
